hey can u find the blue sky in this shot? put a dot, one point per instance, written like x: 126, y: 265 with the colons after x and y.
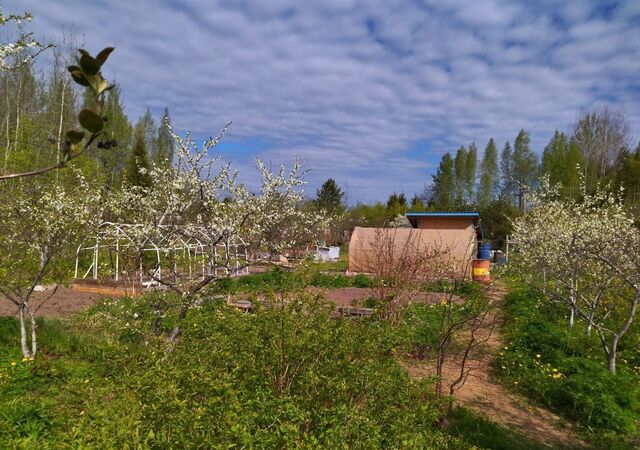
x: 371, y: 93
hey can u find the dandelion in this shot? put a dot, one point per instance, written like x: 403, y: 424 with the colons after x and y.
x: 13, y: 363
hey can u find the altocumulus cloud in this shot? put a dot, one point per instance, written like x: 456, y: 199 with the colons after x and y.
x: 370, y: 93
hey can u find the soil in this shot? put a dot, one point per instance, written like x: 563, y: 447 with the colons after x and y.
x: 482, y: 394
x: 354, y: 296
x: 63, y: 302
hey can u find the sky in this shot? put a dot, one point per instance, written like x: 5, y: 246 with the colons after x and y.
x: 371, y: 93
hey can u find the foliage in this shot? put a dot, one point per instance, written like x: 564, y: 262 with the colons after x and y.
x: 284, y: 377
x: 560, y: 368
x: 136, y: 172
x: 489, y: 179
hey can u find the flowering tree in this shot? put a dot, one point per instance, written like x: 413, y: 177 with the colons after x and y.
x: 23, y: 48
x: 201, y: 200
x: 583, y: 253
x: 39, y: 226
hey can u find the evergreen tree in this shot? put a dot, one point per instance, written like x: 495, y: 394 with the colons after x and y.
x: 417, y: 204
x: 137, y: 169
x: 460, y: 168
x: 524, y: 166
x: 506, y: 172
x: 117, y: 129
x: 443, y: 187
x: 489, y: 180
x: 396, y: 205
x: 329, y: 196
x: 396, y: 201
x: 471, y: 164
x: 163, y: 143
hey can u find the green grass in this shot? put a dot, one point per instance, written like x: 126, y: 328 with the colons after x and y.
x: 564, y: 370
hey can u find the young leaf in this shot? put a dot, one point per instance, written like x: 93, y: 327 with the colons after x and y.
x: 103, y: 55
x: 75, y: 136
x: 90, y: 121
x: 79, y: 77
x: 89, y: 65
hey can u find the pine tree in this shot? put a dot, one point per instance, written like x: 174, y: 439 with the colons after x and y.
x: 417, y: 204
x: 489, y: 180
x: 329, y: 196
x: 443, y: 187
x: 460, y: 168
x: 163, y: 143
x: 118, y: 130
x: 471, y: 164
x: 525, y: 166
x: 137, y: 169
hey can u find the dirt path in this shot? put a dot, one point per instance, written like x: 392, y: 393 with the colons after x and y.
x: 63, y: 302
x: 487, y: 397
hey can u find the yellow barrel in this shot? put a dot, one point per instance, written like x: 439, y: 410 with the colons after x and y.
x: 481, y: 270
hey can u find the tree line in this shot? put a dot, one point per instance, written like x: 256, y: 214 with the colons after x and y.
x: 597, y: 147
x: 40, y: 104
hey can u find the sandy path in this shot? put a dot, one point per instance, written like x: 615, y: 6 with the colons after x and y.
x: 487, y: 397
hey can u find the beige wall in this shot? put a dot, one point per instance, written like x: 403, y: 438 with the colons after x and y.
x: 460, y: 241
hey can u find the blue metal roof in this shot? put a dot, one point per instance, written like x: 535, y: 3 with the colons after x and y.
x: 444, y: 214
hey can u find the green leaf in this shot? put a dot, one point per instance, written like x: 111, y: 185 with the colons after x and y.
x: 79, y: 77
x: 75, y: 136
x: 89, y: 65
x: 103, y: 55
x: 90, y: 121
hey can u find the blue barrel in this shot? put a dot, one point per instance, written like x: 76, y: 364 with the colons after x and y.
x: 484, y: 251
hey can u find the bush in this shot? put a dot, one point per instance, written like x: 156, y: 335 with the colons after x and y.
x: 281, y: 378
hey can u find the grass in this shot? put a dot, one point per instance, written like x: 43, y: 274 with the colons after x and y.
x: 563, y: 369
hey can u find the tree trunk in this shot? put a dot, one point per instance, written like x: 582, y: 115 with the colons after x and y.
x: 572, y: 316
x: 611, y: 360
x: 34, y: 340
x: 23, y: 332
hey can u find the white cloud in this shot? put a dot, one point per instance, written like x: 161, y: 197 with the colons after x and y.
x: 368, y: 92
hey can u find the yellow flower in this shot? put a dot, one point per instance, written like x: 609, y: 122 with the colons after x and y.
x: 25, y: 359
x: 13, y: 363
x: 515, y: 382
x: 554, y: 370
x: 538, y: 355
x: 504, y: 367
x: 556, y: 375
